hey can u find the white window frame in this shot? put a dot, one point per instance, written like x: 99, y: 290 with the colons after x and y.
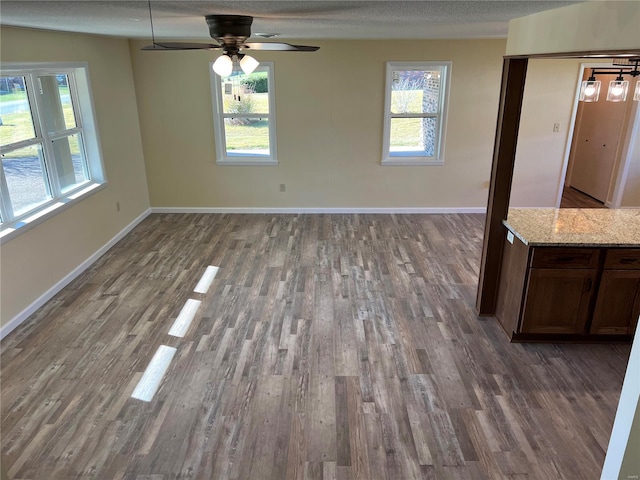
x: 222, y: 158
x: 441, y: 116
x: 86, y: 126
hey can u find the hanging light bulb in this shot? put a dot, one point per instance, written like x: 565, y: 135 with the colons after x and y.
x: 590, y: 89
x: 248, y: 64
x: 223, y: 66
x: 618, y: 89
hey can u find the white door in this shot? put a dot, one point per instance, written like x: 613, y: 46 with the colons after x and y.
x: 596, y: 145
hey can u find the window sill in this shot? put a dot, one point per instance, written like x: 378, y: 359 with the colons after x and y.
x: 409, y: 161
x: 13, y: 229
x: 248, y: 163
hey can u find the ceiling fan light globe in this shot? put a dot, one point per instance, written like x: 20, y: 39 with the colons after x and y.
x: 248, y: 64
x: 223, y: 66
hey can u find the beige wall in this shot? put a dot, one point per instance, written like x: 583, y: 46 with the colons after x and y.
x: 329, y: 107
x: 590, y: 26
x: 36, y: 260
x: 548, y: 98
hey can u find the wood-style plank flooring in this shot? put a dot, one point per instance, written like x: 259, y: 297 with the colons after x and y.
x: 329, y: 347
x: 572, y: 198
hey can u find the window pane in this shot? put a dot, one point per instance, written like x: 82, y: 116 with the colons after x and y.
x: 412, y: 136
x: 246, y: 136
x: 246, y: 93
x: 16, y: 123
x: 56, y: 108
x: 415, y: 91
x: 70, y: 162
x: 26, y: 178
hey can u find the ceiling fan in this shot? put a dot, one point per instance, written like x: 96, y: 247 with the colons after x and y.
x: 231, y: 33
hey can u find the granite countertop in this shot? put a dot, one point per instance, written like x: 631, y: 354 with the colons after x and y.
x: 581, y: 227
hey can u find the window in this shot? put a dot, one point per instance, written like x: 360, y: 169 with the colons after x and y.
x: 48, y: 144
x: 244, y: 117
x: 415, y: 113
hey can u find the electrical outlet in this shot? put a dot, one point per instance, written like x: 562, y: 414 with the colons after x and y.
x: 556, y: 127
x: 283, y: 187
x: 117, y: 206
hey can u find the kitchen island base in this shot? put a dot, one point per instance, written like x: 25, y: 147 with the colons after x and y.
x: 563, y: 284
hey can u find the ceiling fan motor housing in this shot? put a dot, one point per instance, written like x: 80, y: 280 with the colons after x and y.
x: 230, y: 30
x: 230, y: 33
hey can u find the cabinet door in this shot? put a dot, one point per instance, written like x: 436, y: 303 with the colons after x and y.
x: 618, y: 304
x: 557, y: 300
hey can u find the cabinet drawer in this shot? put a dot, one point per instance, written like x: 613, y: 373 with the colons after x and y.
x: 548, y: 257
x: 623, y: 259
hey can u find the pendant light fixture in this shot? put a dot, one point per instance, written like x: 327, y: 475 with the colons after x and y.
x: 590, y: 89
x: 618, y: 88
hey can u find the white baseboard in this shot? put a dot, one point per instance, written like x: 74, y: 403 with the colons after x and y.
x: 420, y: 210
x: 49, y: 294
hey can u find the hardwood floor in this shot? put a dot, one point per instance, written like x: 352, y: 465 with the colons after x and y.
x: 572, y: 198
x: 327, y: 347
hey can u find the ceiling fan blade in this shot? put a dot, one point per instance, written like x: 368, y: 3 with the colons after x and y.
x: 285, y: 47
x: 164, y: 46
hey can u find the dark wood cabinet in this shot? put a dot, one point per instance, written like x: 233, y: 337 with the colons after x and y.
x: 568, y: 293
x: 557, y: 300
x: 618, y: 305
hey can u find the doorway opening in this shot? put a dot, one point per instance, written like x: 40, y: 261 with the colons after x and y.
x: 599, y: 149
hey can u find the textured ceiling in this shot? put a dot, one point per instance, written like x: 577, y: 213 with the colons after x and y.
x: 183, y: 19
